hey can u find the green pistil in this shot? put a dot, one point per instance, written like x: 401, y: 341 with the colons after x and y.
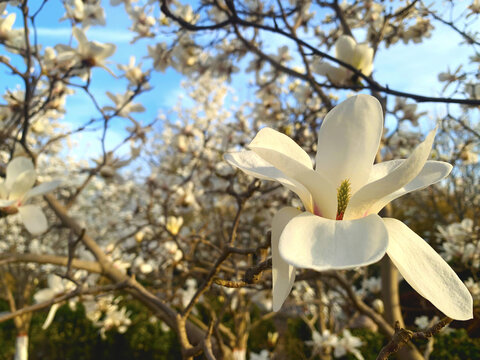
x: 343, y: 197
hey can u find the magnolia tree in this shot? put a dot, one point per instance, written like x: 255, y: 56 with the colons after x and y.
x: 263, y: 195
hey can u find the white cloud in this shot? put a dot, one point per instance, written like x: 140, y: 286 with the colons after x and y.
x: 98, y: 34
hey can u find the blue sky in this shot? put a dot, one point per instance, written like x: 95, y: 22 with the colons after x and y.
x: 410, y: 67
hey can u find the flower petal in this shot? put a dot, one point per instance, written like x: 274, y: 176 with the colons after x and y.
x: 363, y: 58
x: 43, y: 295
x: 8, y: 22
x: 42, y: 189
x: 432, y: 172
x: 348, y: 141
x: 268, y: 138
x: 337, y: 75
x: 22, y: 184
x: 33, y: 218
x: 427, y: 272
x: 345, y: 48
x: 50, y: 316
x: 253, y: 165
x: 313, y: 242
x: 5, y: 203
x: 364, y: 200
x: 285, y: 155
x: 283, y: 274
x: 15, y: 168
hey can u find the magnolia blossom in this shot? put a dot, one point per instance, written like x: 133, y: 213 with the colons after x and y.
x: 6, y: 23
x: 17, y: 189
x: 340, y: 227
x: 87, y: 55
x: 56, y: 286
x: 174, y: 224
x: 322, y: 341
x: 360, y: 56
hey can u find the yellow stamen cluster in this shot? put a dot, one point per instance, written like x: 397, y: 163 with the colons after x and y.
x: 343, y: 197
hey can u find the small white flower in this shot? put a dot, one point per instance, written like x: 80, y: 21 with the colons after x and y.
x: 56, y: 286
x: 360, y: 56
x: 17, y: 189
x: 174, y: 224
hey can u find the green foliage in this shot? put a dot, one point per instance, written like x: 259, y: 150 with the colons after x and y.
x: 72, y: 336
x: 456, y: 346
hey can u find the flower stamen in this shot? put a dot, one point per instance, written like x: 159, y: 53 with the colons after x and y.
x: 343, y: 197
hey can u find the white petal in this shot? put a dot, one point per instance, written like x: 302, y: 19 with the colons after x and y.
x: 284, y: 154
x: 42, y: 189
x: 43, y: 295
x: 33, y: 218
x: 50, y: 316
x: 55, y: 283
x: 283, y: 274
x: 80, y: 36
x: 15, y: 168
x: 22, y: 184
x: 337, y: 75
x: 432, y: 172
x: 252, y: 164
x: 3, y: 190
x: 5, y: 203
x: 427, y: 272
x: 345, y: 48
x: 348, y: 141
x: 268, y: 138
x: 8, y: 22
x: 364, y: 200
x: 363, y: 59
x: 310, y: 241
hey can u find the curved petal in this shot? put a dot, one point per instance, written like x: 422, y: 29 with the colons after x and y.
x: 81, y: 37
x: 42, y: 189
x: 22, y: 184
x: 15, y: 168
x: 268, y: 138
x: 55, y: 283
x: 348, y: 140
x: 253, y: 165
x: 283, y: 274
x: 5, y: 203
x: 33, y: 218
x: 427, y: 272
x: 44, y: 295
x: 3, y: 190
x: 363, y: 58
x: 432, y: 172
x: 8, y: 22
x: 312, y: 242
x: 345, y: 48
x: 363, y: 201
x: 337, y: 75
x: 50, y: 316
x: 290, y: 159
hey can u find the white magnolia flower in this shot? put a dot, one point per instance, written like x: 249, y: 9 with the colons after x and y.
x: 174, y: 224
x: 360, y: 56
x: 56, y: 286
x: 87, y: 55
x: 323, y: 341
x: 348, y: 344
x: 16, y: 190
x: 6, y: 24
x: 340, y: 227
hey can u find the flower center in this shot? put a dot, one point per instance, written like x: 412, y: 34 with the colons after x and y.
x: 343, y: 197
